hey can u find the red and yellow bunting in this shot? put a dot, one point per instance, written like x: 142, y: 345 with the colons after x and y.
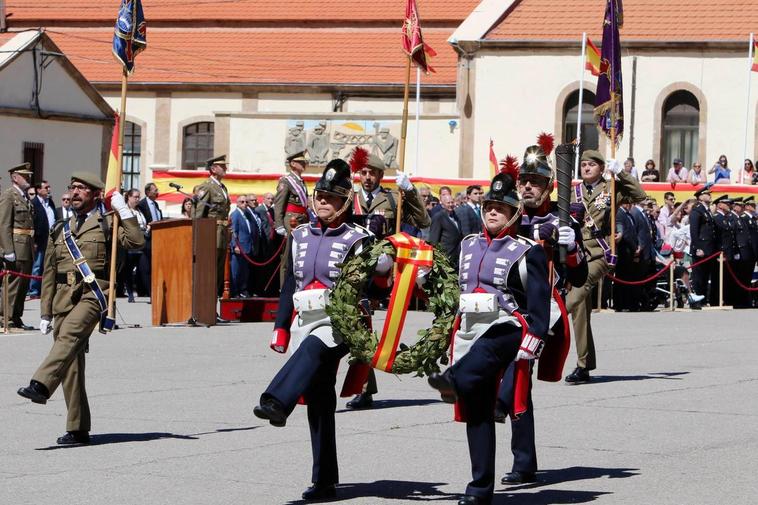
x: 412, y: 253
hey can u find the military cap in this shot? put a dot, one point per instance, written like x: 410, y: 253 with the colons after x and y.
x: 536, y: 162
x: 299, y: 156
x: 737, y: 200
x: 22, y: 169
x: 593, y: 155
x: 750, y: 200
x: 705, y: 190
x: 503, y: 190
x: 218, y: 160
x: 336, y: 179
x: 88, y: 178
x: 722, y: 199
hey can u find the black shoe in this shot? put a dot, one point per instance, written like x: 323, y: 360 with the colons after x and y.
x: 442, y: 383
x: 271, y: 410
x: 470, y: 499
x: 361, y: 401
x: 36, y: 392
x: 18, y: 323
x: 320, y: 492
x: 131, y: 299
x: 517, y: 478
x: 74, y: 438
x: 578, y: 376
x: 500, y: 416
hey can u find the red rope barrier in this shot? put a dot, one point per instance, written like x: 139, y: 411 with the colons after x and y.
x: 736, y: 280
x: 700, y: 262
x: 19, y: 274
x: 254, y: 263
x: 643, y: 281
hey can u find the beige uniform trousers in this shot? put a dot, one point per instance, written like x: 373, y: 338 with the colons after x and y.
x: 579, y: 305
x: 65, y: 362
x: 17, y: 288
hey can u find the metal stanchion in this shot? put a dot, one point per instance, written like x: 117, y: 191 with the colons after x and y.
x: 671, y: 287
x: 721, y: 280
x: 6, y: 305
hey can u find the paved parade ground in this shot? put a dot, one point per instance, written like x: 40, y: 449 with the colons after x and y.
x: 671, y: 417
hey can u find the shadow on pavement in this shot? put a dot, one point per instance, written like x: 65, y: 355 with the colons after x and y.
x: 599, y: 379
x: 547, y: 497
x: 120, y: 438
x: 401, y: 490
x: 224, y: 430
x: 389, y: 404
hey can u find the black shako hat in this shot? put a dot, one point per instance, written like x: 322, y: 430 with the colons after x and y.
x: 336, y: 179
x: 503, y: 189
x: 536, y: 162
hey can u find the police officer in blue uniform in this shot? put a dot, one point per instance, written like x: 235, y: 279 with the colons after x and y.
x: 704, y: 243
x: 317, y: 250
x: 504, y: 316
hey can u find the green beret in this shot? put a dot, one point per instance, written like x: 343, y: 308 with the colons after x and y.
x: 592, y: 155
x: 88, y: 178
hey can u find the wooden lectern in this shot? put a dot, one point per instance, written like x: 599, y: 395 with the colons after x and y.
x: 183, y: 285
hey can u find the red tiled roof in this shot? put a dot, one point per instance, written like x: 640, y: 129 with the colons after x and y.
x: 240, y: 10
x: 6, y: 36
x: 654, y: 20
x: 368, y: 56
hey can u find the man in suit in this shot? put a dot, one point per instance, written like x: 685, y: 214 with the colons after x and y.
x: 149, y: 208
x: 470, y: 213
x: 703, y: 243
x: 624, y: 298
x: 44, y: 218
x: 64, y: 212
x: 593, y: 196
x: 269, y: 283
x: 446, y: 231
x: 244, y: 236
x: 644, y: 255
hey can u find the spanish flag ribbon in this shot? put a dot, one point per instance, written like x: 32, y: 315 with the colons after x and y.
x: 412, y: 253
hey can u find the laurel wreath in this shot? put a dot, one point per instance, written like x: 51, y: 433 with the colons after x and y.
x: 348, y: 321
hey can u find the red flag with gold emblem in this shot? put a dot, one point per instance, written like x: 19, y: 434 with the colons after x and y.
x: 413, y: 42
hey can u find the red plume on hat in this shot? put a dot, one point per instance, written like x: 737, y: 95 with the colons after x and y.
x: 359, y: 159
x: 546, y: 141
x: 509, y: 165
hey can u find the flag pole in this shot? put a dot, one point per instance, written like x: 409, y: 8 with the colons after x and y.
x: 613, y: 156
x: 583, y: 60
x: 114, y: 236
x: 418, y: 122
x: 403, y: 135
x: 747, y: 104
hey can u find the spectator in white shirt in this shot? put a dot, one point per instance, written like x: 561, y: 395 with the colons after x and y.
x: 697, y: 176
x: 664, y: 218
x: 677, y: 173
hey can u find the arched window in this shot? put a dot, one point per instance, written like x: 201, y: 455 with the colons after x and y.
x: 197, y: 144
x: 132, y: 154
x: 681, y: 119
x: 590, y: 138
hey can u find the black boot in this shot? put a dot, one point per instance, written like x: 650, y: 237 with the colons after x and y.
x: 444, y: 384
x: 74, y: 438
x: 513, y: 478
x: 470, y: 499
x: 361, y: 401
x: 271, y: 409
x: 320, y: 492
x: 578, y: 376
x: 36, y: 392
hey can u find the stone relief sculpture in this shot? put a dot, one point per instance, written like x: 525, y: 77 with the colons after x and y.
x: 387, y: 145
x: 295, y: 141
x: 318, y: 145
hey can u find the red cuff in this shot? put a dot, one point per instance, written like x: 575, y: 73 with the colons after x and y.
x: 573, y: 259
x: 280, y: 340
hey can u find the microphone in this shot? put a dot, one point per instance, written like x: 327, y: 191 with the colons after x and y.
x: 175, y: 186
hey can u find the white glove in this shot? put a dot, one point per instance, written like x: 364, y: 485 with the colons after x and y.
x: 119, y: 205
x: 567, y: 237
x: 281, y: 231
x: 45, y: 326
x: 421, y: 276
x: 384, y: 264
x: 403, y: 182
x: 10, y: 257
x: 531, y: 347
x: 613, y: 166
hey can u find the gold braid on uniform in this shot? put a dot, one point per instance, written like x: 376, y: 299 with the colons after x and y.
x: 349, y: 322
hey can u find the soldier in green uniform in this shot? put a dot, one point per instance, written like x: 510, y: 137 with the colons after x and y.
x: 379, y: 206
x: 591, y: 204
x: 213, y: 201
x: 17, y: 240
x: 74, y: 296
x: 290, y: 203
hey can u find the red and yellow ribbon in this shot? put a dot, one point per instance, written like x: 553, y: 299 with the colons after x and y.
x: 412, y: 253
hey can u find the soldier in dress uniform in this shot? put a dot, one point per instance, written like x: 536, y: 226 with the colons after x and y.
x: 725, y: 223
x: 752, y: 219
x: 744, y: 257
x: 504, y: 316
x: 17, y: 241
x: 704, y: 243
x: 592, y: 200
x: 74, y: 296
x: 379, y: 210
x: 213, y: 202
x: 291, y: 203
x: 540, y: 222
x: 312, y: 269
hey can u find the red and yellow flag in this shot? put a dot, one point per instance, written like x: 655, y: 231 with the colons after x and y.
x: 755, y: 58
x: 493, y: 161
x: 413, y: 41
x: 112, y: 177
x: 592, y: 58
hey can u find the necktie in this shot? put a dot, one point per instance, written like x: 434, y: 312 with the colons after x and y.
x: 369, y: 199
x: 79, y: 222
x: 478, y: 211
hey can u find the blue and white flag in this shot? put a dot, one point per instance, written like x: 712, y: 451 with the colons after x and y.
x: 130, y: 35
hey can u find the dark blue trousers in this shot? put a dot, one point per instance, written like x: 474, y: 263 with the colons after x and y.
x: 522, y: 429
x: 475, y: 379
x: 312, y: 372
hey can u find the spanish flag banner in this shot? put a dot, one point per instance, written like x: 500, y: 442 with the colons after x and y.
x: 592, y: 58
x: 412, y: 253
x: 112, y: 182
x: 755, y: 58
x: 493, y: 161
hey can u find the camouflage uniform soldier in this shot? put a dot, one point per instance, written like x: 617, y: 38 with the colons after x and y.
x: 16, y: 241
x: 213, y: 202
x: 291, y: 203
x: 74, y: 296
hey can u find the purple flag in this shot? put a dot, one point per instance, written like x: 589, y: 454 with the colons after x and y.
x: 609, y: 82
